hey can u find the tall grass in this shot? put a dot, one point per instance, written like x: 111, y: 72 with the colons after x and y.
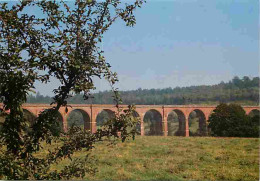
x: 176, y: 158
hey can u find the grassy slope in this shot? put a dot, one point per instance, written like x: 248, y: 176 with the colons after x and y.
x: 177, y: 158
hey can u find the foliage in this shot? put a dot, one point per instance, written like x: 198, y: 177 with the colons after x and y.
x: 76, y: 118
x: 232, y: 121
x: 103, y: 117
x: 62, y: 42
x: 243, y: 91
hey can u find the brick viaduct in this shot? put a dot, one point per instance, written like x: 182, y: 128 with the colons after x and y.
x: 90, y: 113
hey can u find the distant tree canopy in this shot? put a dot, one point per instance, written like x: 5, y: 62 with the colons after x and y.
x: 242, y: 91
x: 232, y: 121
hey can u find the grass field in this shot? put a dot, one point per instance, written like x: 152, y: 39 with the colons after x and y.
x: 177, y: 158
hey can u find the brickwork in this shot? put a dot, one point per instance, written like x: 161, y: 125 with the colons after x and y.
x: 93, y: 110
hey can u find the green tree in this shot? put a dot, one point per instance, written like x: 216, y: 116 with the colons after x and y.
x: 232, y: 121
x: 254, y: 128
x: 61, y: 41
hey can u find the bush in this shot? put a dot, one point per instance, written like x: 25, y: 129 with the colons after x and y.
x: 232, y: 121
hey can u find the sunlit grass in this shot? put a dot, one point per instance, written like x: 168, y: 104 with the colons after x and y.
x: 176, y: 158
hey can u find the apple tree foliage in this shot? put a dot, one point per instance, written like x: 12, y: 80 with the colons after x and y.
x: 62, y: 41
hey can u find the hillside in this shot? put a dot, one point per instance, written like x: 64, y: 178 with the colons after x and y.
x: 242, y: 91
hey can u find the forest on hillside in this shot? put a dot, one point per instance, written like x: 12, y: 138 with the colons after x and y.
x: 244, y: 91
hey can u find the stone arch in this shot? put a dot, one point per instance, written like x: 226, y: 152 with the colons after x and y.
x: 197, y: 123
x: 80, y: 118
x: 103, y: 116
x: 138, y: 125
x: 135, y: 115
x: 29, y: 116
x: 153, y: 123
x: 254, y: 112
x: 209, y: 114
x: 176, y: 123
x: 61, y: 121
x: 60, y: 118
x: 207, y: 122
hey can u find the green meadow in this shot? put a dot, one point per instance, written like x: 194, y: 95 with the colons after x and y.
x: 175, y: 158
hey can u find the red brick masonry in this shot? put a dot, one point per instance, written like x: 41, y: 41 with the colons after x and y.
x: 93, y: 110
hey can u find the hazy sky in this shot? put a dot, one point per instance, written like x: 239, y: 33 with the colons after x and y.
x: 182, y: 43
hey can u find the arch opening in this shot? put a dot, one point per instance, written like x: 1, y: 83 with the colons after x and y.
x: 135, y: 116
x: 104, y: 116
x: 176, y: 123
x: 79, y: 118
x: 254, y: 112
x: 197, y: 123
x: 138, y: 125
x: 29, y: 116
x: 60, y: 121
x: 29, y: 119
x: 153, y: 123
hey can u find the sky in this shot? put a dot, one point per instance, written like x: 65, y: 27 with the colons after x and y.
x: 182, y: 43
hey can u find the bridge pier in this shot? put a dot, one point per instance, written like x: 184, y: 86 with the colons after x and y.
x: 164, y: 122
x: 142, y: 124
x: 65, y: 122
x: 165, y: 128
x: 93, y: 121
x: 93, y: 126
x: 186, y: 131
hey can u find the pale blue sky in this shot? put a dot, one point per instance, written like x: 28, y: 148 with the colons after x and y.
x: 183, y: 43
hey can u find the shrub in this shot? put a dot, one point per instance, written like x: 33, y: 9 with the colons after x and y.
x: 232, y: 121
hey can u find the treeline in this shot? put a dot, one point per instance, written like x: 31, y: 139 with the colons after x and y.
x: 238, y: 90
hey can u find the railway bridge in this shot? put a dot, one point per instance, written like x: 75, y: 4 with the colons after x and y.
x: 164, y: 116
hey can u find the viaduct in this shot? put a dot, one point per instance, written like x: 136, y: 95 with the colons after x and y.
x: 163, y: 112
